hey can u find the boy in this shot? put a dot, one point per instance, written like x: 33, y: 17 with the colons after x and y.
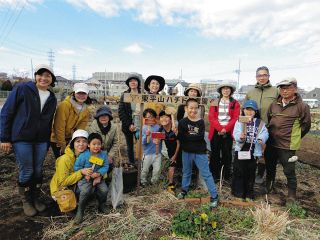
x: 191, y: 131
x: 172, y: 144
x: 149, y: 148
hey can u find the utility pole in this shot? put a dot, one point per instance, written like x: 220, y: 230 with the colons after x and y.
x: 51, y: 58
x: 238, y: 72
x: 74, y: 69
x: 181, y: 74
x: 32, y: 75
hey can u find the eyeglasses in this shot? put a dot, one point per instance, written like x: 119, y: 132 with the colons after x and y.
x: 262, y: 75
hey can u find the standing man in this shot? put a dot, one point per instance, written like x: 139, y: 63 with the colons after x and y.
x: 264, y: 94
x: 289, y: 121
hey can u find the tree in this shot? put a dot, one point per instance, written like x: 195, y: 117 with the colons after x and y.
x: 6, y: 86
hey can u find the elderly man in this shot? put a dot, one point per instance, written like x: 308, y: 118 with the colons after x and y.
x: 289, y: 121
x: 264, y: 94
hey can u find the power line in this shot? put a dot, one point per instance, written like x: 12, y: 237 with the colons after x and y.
x: 6, y: 23
x: 74, y: 69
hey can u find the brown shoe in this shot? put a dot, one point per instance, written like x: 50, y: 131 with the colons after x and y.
x: 291, y: 196
x: 26, y: 198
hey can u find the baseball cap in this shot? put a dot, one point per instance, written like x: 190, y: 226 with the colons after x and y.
x: 81, y: 87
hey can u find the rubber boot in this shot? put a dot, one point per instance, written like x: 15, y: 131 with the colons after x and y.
x: 26, y: 198
x: 269, y: 186
x: 102, y: 207
x: 80, y: 211
x: 36, y: 189
x: 291, y: 196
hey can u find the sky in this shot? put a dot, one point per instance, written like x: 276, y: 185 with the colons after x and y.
x: 202, y: 39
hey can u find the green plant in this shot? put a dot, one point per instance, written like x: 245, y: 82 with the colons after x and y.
x: 295, y: 210
x: 196, y: 223
x: 90, y: 230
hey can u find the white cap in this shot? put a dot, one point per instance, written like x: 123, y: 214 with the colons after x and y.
x: 43, y: 66
x: 81, y: 87
x: 79, y: 133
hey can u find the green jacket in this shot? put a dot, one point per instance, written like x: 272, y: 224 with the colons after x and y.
x: 111, y: 140
x: 64, y: 175
x: 289, y: 124
x: 264, y: 95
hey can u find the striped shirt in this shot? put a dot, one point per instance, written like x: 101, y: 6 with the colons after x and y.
x: 224, y: 116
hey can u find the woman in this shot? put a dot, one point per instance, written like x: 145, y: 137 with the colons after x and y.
x: 72, y: 114
x: 26, y: 120
x: 192, y: 91
x: 223, y: 114
x: 153, y: 85
x: 129, y: 114
x: 65, y: 176
x: 108, y: 131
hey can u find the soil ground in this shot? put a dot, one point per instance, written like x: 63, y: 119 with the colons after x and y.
x: 15, y: 225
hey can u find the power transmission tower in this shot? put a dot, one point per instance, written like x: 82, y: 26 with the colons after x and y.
x: 74, y: 70
x: 51, y: 58
x: 237, y: 71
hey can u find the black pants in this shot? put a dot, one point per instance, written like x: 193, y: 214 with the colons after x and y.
x: 129, y: 140
x: 281, y: 156
x: 55, y: 149
x: 243, y: 177
x: 221, y: 155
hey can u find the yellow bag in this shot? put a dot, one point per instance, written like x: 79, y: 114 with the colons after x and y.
x: 66, y: 200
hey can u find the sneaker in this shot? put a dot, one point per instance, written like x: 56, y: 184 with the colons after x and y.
x: 259, y: 179
x: 214, y: 202
x: 171, y: 188
x: 182, y: 195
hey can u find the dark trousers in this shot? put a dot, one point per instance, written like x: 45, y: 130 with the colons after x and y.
x: 243, y: 177
x: 55, y: 149
x: 129, y: 140
x: 221, y: 155
x: 281, y: 156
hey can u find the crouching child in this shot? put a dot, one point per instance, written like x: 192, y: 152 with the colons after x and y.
x: 98, y: 161
x: 191, y: 131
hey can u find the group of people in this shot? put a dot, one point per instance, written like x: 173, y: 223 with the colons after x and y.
x: 266, y: 131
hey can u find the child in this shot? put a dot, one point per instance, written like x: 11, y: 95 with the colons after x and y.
x: 172, y: 144
x: 98, y: 161
x: 249, y: 137
x: 191, y: 135
x: 149, y: 148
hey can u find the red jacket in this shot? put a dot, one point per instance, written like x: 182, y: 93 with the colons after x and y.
x: 234, y: 112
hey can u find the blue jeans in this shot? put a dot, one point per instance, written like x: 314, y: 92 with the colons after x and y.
x: 201, y: 161
x: 30, y: 158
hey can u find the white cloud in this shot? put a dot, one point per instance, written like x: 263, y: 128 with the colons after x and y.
x: 4, y: 49
x: 286, y: 23
x: 88, y: 49
x: 67, y: 52
x: 16, y: 3
x: 134, y: 48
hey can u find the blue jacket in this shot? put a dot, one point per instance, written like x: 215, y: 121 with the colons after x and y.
x: 263, y: 135
x: 21, y: 117
x: 149, y: 148
x: 83, y: 162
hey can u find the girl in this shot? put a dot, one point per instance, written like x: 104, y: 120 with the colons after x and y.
x: 250, y: 134
x: 223, y: 114
x: 129, y: 114
x: 26, y: 120
x: 72, y: 114
x: 97, y: 160
x: 108, y: 131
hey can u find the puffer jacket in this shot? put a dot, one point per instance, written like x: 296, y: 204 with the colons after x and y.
x: 22, y: 118
x: 289, y: 124
x: 65, y: 175
x: 111, y: 142
x: 68, y: 119
x: 264, y: 95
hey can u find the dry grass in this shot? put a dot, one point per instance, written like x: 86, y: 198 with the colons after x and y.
x: 270, y: 224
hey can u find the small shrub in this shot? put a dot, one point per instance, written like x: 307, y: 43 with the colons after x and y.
x: 295, y: 210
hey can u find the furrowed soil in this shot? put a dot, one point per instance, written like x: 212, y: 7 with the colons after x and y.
x: 15, y: 225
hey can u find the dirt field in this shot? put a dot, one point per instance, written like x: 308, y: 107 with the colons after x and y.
x: 14, y: 225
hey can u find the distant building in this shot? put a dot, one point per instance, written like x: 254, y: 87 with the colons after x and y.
x: 209, y: 86
x: 64, y: 83
x: 113, y: 83
x: 245, y: 88
x: 313, y: 94
x: 3, y: 76
x: 181, y: 86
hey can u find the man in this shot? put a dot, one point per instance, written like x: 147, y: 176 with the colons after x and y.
x: 264, y: 94
x: 289, y: 121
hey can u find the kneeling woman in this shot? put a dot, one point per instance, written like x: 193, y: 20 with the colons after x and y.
x: 65, y: 176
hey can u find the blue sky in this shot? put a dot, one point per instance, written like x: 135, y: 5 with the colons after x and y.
x: 204, y: 38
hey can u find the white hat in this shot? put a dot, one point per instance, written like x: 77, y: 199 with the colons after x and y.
x: 48, y: 68
x: 79, y: 133
x: 287, y: 82
x: 81, y: 87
